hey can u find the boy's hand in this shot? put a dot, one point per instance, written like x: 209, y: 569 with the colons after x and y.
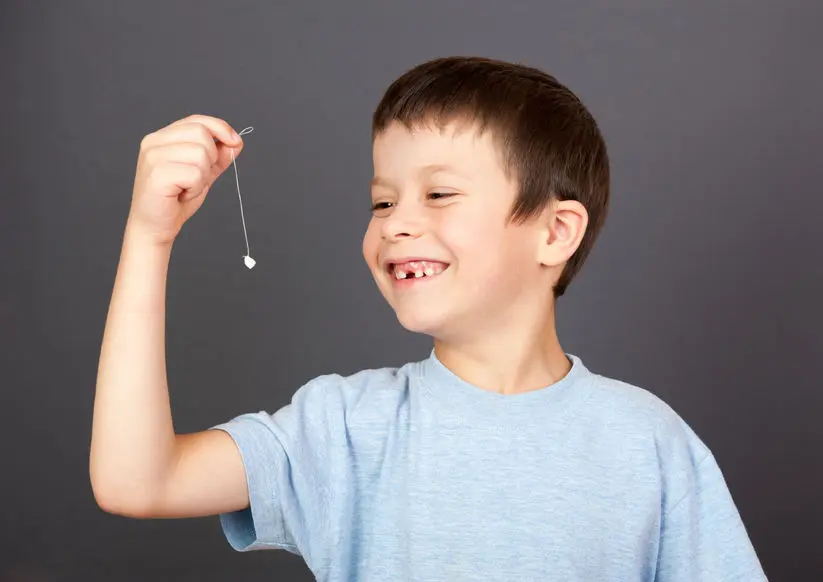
x: 175, y: 169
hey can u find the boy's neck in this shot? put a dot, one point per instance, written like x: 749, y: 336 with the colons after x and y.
x: 509, y: 361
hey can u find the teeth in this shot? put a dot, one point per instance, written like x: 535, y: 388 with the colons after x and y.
x: 418, y: 269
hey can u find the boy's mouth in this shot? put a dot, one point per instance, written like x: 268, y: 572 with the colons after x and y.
x: 415, y: 269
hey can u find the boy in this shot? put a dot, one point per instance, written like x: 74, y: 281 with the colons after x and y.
x: 500, y: 456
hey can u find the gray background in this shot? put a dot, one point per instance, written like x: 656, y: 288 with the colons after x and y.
x: 704, y: 288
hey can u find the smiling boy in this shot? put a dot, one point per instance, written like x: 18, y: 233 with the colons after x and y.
x: 498, y: 457
x: 442, y: 202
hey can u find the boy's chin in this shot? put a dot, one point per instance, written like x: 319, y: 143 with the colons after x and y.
x: 443, y: 324
x: 417, y: 323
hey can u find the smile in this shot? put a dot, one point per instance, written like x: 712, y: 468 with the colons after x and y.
x: 416, y: 269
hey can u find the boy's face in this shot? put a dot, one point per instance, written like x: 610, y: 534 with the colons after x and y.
x: 443, y: 199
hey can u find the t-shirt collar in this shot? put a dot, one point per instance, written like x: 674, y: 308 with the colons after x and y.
x: 441, y: 383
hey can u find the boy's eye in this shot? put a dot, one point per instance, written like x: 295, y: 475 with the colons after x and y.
x: 382, y: 206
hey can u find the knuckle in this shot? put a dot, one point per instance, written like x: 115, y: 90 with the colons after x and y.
x: 197, y: 173
x: 145, y: 143
x: 156, y: 172
x: 150, y: 155
x: 205, y: 155
x: 152, y: 178
x: 204, y: 132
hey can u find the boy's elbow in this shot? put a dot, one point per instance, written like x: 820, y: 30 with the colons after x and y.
x: 124, y: 506
x: 115, y: 501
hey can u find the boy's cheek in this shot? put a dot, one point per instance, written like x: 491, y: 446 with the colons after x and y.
x: 371, y: 244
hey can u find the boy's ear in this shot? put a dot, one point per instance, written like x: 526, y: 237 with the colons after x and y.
x: 564, y: 224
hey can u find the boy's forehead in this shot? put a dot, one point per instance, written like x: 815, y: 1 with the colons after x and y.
x: 427, y: 146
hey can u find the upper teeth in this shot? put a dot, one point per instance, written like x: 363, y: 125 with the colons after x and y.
x: 418, y: 269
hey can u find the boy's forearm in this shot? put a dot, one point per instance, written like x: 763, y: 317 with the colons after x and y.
x: 132, y: 431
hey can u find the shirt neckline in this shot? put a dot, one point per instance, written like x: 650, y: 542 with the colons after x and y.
x: 552, y: 402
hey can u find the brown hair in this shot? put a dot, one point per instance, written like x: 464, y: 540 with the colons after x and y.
x: 547, y: 138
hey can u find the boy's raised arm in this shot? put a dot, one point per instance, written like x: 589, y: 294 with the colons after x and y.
x: 138, y: 466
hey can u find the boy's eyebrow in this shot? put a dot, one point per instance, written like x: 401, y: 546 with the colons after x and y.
x: 426, y: 170
x: 434, y: 168
x: 378, y: 181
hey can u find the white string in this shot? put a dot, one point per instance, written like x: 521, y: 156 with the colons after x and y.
x: 247, y: 258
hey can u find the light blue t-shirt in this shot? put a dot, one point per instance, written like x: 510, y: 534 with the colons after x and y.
x: 411, y: 473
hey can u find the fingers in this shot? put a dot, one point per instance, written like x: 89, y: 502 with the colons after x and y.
x: 208, y: 131
x: 197, y: 153
x: 176, y: 178
x: 181, y: 140
x: 218, y: 128
x: 190, y: 134
x: 197, y: 149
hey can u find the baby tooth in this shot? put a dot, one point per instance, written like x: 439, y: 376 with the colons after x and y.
x: 418, y: 273
x: 429, y: 271
x: 400, y: 275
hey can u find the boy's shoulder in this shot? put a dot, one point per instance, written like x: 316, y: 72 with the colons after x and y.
x: 612, y: 394
x: 634, y: 412
x: 364, y: 392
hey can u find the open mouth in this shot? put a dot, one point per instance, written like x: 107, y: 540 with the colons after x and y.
x: 416, y: 269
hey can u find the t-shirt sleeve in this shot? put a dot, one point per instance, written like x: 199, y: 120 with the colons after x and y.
x: 296, y: 472
x: 702, y: 536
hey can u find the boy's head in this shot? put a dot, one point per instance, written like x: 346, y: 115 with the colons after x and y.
x: 499, y: 175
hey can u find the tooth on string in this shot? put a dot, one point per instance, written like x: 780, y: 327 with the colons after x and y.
x: 247, y: 260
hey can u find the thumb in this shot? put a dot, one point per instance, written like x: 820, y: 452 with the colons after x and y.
x: 226, y: 157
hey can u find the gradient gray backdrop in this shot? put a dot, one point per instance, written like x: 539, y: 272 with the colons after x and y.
x: 704, y: 288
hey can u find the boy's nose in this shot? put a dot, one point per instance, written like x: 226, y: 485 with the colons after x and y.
x: 404, y: 222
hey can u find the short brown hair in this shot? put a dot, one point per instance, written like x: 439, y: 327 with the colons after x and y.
x: 547, y: 138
